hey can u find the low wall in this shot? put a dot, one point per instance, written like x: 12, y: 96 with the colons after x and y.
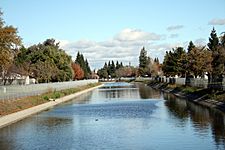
x: 11, y: 92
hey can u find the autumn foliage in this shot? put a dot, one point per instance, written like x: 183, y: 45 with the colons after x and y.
x: 78, y: 72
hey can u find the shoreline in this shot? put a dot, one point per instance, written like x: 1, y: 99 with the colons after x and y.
x: 201, y: 100
x: 17, y: 116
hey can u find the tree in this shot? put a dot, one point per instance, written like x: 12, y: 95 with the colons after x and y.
x: 154, y: 67
x: 173, y: 63
x: 222, y: 39
x: 117, y: 65
x: 125, y: 72
x: 218, y: 59
x: 9, y: 41
x: 46, y: 62
x: 143, y: 62
x: 213, y: 40
x: 83, y: 64
x: 113, y: 70
x: 199, y: 61
x: 102, y: 73
x: 190, y: 46
x: 45, y: 71
x: 121, y: 64
x: 78, y: 72
x: 88, y: 67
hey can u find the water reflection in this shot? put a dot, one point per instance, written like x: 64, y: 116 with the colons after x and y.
x: 202, y: 119
x: 120, y: 116
x: 147, y: 92
x: 52, y: 122
x: 118, y: 90
x: 176, y: 107
x: 126, y: 90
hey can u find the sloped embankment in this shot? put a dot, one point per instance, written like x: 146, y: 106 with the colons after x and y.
x: 205, y: 97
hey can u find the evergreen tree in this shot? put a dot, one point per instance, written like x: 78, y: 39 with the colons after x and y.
x: 45, y: 62
x: 117, y: 65
x: 121, y: 64
x: 83, y: 64
x: 109, y: 68
x: 103, y: 73
x: 217, y: 60
x: 105, y: 66
x: 143, y: 59
x: 190, y: 46
x: 157, y: 60
x: 173, y: 64
x: 213, y: 41
x: 88, y: 67
x: 78, y: 58
x: 113, y: 69
x: 143, y: 62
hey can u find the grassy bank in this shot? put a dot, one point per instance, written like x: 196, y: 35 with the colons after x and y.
x: 11, y: 106
x: 207, y: 97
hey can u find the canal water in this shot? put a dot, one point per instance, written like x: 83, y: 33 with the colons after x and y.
x: 119, y: 116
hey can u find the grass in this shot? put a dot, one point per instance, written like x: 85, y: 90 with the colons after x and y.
x: 11, y: 106
x: 191, y: 92
x: 218, y: 96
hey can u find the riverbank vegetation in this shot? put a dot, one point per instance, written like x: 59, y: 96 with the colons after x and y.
x: 203, y: 96
x: 198, y: 61
x: 46, y: 62
x: 147, y: 67
x: 11, y: 106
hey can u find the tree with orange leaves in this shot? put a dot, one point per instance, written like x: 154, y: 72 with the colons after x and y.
x: 78, y: 72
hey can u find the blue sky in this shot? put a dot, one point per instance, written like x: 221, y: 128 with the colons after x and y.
x: 117, y: 29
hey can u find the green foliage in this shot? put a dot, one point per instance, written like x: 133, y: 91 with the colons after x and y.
x: 84, y: 65
x: 173, y: 63
x: 144, y: 61
x: 56, y: 95
x: 218, y: 96
x: 45, y: 62
x: 218, y: 58
x: 213, y: 41
x: 102, y: 73
x: 190, y: 46
x: 198, y: 61
x: 188, y: 90
x: 109, y: 69
x: 46, y: 97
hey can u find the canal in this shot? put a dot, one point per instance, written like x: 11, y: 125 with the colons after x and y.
x: 119, y: 116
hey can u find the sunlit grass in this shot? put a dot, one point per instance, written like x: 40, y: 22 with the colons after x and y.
x: 11, y: 106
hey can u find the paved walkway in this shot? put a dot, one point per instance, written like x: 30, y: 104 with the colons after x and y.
x: 12, y: 118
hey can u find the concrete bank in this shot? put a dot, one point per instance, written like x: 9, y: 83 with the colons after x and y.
x: 12, y: 118
x: 200, y: 99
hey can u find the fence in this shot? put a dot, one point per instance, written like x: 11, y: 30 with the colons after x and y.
x: 197, y: 82
x: 183, y: 81
x: 194, y: 82
x: 17, y: 91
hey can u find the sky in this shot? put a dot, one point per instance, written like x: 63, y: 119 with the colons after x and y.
x: 117, y: 29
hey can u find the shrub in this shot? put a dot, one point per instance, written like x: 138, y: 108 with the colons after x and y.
x: 46, y: 97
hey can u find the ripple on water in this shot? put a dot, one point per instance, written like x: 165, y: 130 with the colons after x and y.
x: 134, y: 109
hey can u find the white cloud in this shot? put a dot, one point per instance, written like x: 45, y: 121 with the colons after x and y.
x: 217, y: 22
x: 135, y: 35
x: 124, y: 46
x: 174, y: 27
x: 200, y: 42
